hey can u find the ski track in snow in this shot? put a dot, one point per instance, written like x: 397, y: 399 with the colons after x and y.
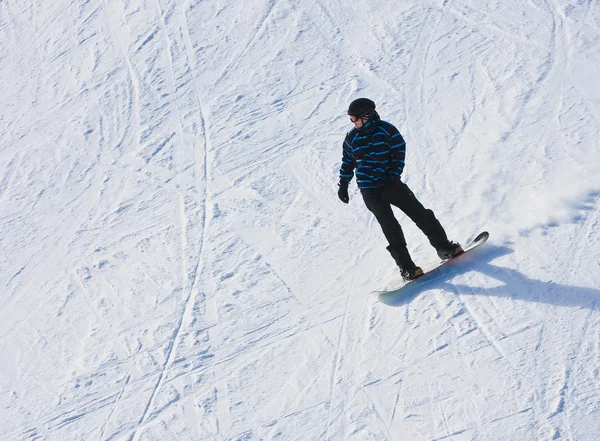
x: 176, y: 265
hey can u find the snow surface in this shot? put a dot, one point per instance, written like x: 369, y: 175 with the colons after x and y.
x: 175, y: 263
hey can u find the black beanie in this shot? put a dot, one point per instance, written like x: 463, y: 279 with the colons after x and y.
x: 361, y: 107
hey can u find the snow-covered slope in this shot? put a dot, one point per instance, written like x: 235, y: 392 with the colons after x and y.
x: 175, y: 263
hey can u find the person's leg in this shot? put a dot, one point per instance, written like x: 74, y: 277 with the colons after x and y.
x: 389, y: 225
x: 397, y: 193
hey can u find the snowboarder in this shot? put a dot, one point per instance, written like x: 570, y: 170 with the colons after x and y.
x: 376, y: 150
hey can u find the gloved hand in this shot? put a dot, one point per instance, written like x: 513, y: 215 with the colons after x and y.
x: 343, y: 192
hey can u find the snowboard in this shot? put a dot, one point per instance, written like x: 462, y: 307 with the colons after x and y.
x: 431, y: 272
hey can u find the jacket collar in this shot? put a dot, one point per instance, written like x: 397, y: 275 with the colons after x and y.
x: 370, y: 125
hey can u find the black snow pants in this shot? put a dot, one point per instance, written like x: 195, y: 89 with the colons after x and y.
x: 379, y: 202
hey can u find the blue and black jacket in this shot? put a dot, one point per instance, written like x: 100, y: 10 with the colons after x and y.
x: 374, y: 153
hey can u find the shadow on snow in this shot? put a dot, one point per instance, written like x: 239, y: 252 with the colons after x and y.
x: 514, y: 285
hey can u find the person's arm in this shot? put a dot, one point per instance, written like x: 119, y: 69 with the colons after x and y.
x: 397, y: 152
x: 346, y: 172
x: 348, y: 164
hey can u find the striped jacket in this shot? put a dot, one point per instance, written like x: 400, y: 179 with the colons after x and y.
x: 373, y: 153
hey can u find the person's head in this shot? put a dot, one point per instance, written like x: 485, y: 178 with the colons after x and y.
x: 361, y: 111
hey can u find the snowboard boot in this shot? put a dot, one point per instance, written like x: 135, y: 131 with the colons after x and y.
x: 408, y: 269
x: 410, y: 273
x: 449, y: 250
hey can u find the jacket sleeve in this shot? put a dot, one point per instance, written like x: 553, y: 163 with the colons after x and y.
x: 397, y: 152
x: 348, y: 163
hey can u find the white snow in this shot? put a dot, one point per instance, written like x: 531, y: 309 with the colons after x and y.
x: 175, y: 263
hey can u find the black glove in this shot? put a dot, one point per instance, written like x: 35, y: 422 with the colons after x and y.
x: 343, y: 192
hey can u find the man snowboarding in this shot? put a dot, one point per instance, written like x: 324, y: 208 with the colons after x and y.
x: 374, y: 150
